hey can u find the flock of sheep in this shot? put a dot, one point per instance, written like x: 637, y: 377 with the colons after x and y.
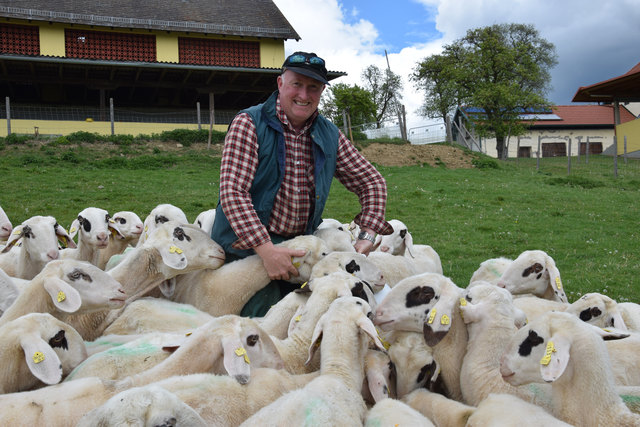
x: 117, y: 321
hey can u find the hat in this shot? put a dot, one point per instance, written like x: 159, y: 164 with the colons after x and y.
x: 308, y: 64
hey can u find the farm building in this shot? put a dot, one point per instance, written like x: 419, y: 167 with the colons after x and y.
x: 580, y: 126
x: 73, y: 65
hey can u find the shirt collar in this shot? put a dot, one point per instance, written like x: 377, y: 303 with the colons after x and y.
x: 285, y: 121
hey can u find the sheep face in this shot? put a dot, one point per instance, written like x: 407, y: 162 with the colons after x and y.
x: 316, y: 249
x: 533, y: 272
x: 599, y: 310
x: 353, y: 263
x: 5, y: 226
x: 39, y: 236
x: 129, y: 224
x: 93, y: 227
x: 421, y: 303
x: 398, y: 241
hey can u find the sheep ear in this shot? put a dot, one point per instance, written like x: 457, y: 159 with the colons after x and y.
x: 173, y: 256
x: 473, y: 312
x: 64, y: 296
x: 236, y: 360
x: 42, y: 361
x: 556, y: 358
x: 75, y: 226
x: 554, y: 280
x: 610, y: 334
x: 66, y: 238
x: 366, y: 325
x: 168, y: 287
x: 15, y: 236
x: 316, y: 339
x: 408, y: 243
x: 520, y: 317
x: 114, y: 228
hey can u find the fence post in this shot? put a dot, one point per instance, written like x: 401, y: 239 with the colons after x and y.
x: 569, y: 159
x: 198, y: 113
x: 586, y: 157
x: 8, y: 107
x: 615, y: 156
x: 211, y: 118
x: 112, y: 116
x: 625, y: 149
x: 538, y: 155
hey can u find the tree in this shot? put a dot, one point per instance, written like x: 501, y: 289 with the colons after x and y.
x: 502, y: 69
x: 356, y: 100
x: 385, y: 88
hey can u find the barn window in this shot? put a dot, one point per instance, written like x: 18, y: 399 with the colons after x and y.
x: 20, y: 39
x: 230, y: 53
x: 110, y: 46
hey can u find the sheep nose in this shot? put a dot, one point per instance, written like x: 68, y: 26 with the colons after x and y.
x: 501, y: 284
x: 53, y: 254
x: 102, y: 237
x: 384, y: 248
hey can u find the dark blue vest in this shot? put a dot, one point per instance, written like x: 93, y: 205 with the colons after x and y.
x: 270, y: 172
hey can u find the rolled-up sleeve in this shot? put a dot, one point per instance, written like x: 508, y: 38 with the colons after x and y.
x: 362, y: 178
x: 237, y: 170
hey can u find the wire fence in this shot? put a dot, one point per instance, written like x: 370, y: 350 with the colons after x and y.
x: 426, y: 134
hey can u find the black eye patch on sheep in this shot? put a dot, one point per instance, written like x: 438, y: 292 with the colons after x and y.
x: 420, y: 295
x: 532, y: 340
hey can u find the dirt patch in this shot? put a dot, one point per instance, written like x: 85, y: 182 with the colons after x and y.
x: 411, y: 155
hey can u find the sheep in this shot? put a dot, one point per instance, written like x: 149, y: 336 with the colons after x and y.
x: 172, y: 249
x: 93, y: 228
x: 150, y: 405
x: 228, y: 344
x: 227, y: 289
x: 5, y: 226
x: 624, y: 358
x: 560, y: 349
x: 497, y: 409
x: 425, y: 258
x: 630, y: 312
x: 532, y: 272
x: 130, y: 226
x: 330, y: 223
x: 332, y: 398
x: 428, y: 303
x: 37, y: 349
x: 159, y: 215
x: 276, y: 321
x: 391, y: 412
x: 337, y: 239
x: 205, y: 220
x: 39, y: 244
x: 380, y: 376
x: 149, y: 314
x: 354, y: 263
x: 9, y: 291
x: 491, y: 320
x: 395, y: 268
x: 67, y: 286
x: 396, y: 243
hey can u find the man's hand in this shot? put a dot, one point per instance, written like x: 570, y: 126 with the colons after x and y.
x: 364, y: 246
x: 277, y: 260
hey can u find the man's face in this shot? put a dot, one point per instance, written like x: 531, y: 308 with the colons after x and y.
x: 299, y: 96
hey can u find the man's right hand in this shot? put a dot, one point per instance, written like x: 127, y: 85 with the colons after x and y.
x: 277, y: 260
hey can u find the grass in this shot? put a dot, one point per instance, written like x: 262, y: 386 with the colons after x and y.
x: 587, y: 221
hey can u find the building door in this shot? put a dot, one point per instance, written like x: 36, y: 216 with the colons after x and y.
x: 594, y: 148
x: 554, y: 149
x: 524, y: 151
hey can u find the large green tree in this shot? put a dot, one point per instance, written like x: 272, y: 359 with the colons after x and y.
x: 385, y: 88
x: 357, y: 101
x: 503, y: 69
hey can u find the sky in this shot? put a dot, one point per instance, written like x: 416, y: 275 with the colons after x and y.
x: 595, y: 40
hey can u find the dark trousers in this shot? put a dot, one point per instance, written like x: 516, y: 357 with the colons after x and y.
x: 262, y: 300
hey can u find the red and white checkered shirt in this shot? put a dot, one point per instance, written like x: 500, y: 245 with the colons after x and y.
x: 292, y: 204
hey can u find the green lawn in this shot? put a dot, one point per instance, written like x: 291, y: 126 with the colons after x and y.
x: 587, y: 221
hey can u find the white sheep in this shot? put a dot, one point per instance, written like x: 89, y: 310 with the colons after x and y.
x: 66, y: 286
x: 337, y: 239
x: 380, y: 376
x: 159, y: 215
x: 332, y: 398
x: 630, y: 312
x: 398, y: 242
x: 205, y: 220
x: 491, y: 320
x: 93, y: 228
x: 227, y: 289
x: 353, y: 263
x: 560, y: 349
x: 491, y: 270
x: 428, y: 303
x: 391, y: 412
x: 151, y: 314
x: 37, y: 348
x: 230, y: 344
x: 5, y: 226
x: 276, y: 321
x: 172, y: 249
x: 39, y: 237
x: 497, y: 409
x: 144, y: 406
x: 426, y: 258
x: 330, y: 223
x: 130, y: 229
x: 9, y: 291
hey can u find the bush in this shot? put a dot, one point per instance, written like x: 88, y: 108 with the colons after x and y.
x: 14, y: 139
x: 485, y: 163
x: 186, y: 137
x: 70, y: 156
x: 121, y: 140
x: 82, y: 136
x: 576, y: 181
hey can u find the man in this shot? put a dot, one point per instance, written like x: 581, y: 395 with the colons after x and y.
x: 278, y: 161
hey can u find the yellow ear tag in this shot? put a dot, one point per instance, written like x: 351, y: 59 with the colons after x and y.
x: 16, y: 231
x: 64, y: 240
x: 188, y: 334
x: 303, y: 285
x: 546, y: 359
x: 432, y: 315
x: 298, y: 317
x: 111, y: 221
x: 385, y: 344
x: 463, y: 302
x: 444, y: 320
x: 175, y: 249
x: 240, y: 351
x: 72, y: 230
x: 38, y: 357
x: 146, y: 228
x: 558, y: 283
x: 61, y: 296
x: 296, y: 264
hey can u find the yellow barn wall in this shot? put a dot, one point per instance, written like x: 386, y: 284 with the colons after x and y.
x: 167, y: 48
x: 632, y: 131
x: 271, y: 53
x: 61, y: 127
x: 52, y: 40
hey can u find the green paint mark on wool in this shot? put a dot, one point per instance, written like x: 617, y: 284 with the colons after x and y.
x: 141, y: 348
x: 311, y: 408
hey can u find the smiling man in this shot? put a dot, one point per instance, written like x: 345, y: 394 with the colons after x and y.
x: 278, y: 162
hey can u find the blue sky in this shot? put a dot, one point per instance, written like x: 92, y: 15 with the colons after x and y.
x: 595, y: 39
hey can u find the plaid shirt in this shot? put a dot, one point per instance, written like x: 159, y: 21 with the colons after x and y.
x: 292, y: 205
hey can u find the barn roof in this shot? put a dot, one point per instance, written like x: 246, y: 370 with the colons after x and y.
x: 250, y: 18
x: 584, y: 115
x: 622, y: 88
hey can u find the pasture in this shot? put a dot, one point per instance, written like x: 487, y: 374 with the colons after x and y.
x: 587, y: 221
